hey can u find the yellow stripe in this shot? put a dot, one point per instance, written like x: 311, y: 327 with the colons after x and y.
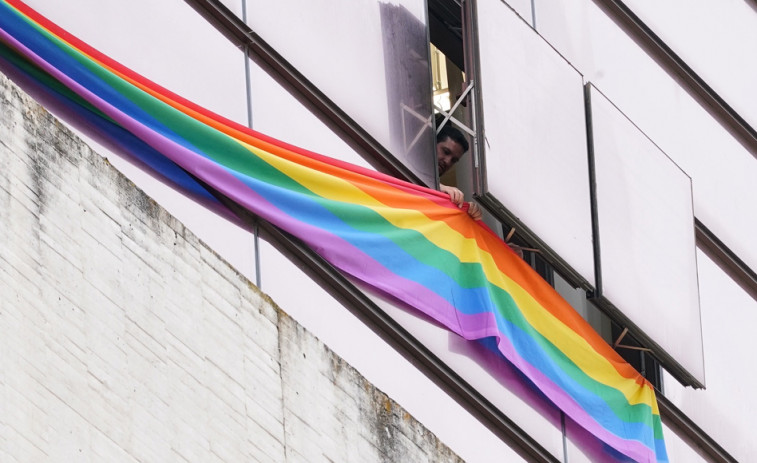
x: 578, y: 349
x: 337, y: 189
x: 440, y: 234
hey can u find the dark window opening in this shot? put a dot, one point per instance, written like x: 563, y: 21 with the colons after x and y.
x: 448, y: 77
x: 637, y: 355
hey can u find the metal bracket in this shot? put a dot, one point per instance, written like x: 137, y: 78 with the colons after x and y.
x: 448, y: 115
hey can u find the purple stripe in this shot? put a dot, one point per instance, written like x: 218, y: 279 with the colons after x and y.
x: 481, y: 325
x: 40, y: 93
x: 337, y: 251
x: 345, y: 256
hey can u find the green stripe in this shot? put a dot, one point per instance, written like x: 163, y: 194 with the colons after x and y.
x: 228, y: 152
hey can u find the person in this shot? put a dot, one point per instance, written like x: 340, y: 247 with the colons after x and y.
x: 450, y: 147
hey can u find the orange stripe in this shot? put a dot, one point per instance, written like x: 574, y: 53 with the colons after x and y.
x: 538, y: 289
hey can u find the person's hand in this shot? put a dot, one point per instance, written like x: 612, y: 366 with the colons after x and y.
x: 474, y: 211
x: 458, y: 198
x: 455, y: 195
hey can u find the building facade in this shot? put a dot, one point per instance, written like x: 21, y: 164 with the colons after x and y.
x: 613, y: 141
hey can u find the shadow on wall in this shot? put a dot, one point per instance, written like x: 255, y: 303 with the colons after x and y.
x: 408, y: 90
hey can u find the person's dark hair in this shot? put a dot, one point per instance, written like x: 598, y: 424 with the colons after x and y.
x: 450, y: 132
x: 455, y: 135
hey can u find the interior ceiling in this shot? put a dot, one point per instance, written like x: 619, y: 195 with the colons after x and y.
x: 445, y: 23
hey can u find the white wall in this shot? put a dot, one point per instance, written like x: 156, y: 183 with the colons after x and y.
x: 125, y: 338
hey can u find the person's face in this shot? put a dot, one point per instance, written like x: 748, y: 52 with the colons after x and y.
x: 448, y: 152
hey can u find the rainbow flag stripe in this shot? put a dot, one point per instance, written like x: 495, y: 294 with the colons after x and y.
x: 400, y: 239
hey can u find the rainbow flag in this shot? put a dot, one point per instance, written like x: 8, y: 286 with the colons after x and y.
x: 400, y: 239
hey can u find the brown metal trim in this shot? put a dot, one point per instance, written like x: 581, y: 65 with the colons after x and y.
x: 241, y: 35
x: 687, y: 78
x: 473, y: 71
x: 726, y: 259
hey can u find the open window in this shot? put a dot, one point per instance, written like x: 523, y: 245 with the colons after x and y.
x: 451, y: 89
x: 528, y: 162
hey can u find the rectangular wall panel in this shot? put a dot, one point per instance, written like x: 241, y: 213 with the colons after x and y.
x: 172, y: 45
x: 277, y: 113
x: 718, y: 40
x: 723, y: 172
x: 522, y: 7
x: 645, y: 227
x: 370, y: 58
x: 167, y: 42
x: 535, y: 134
x: 235, y: 6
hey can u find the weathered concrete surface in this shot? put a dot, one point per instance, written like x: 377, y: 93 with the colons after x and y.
x: 124, y: 338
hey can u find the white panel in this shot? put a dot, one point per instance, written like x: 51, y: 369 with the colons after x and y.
x: 193, y: 60
x: 167, y: 42
x: 583, y: 447
x: 536, y: 156
x: 646, y: 235
x: 369, y: 57
x: 523, y: 8
x: 723, y: 172
x: 718, y: 40
x: 275, y: 112
x: 726, y: 409
x: 342, y: 332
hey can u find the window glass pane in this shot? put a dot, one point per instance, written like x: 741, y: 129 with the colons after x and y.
x: 370, y: 58
x: 723, y: 172
x: 535, y: 135
x: 646, y: 236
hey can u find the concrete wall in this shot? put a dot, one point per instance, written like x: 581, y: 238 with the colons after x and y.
x: 124, y: 338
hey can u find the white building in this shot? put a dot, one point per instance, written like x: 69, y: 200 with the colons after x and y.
x: 617, y: 138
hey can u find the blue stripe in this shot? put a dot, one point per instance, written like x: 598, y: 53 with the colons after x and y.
x: 309, y: 209
x: 59, y: 58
